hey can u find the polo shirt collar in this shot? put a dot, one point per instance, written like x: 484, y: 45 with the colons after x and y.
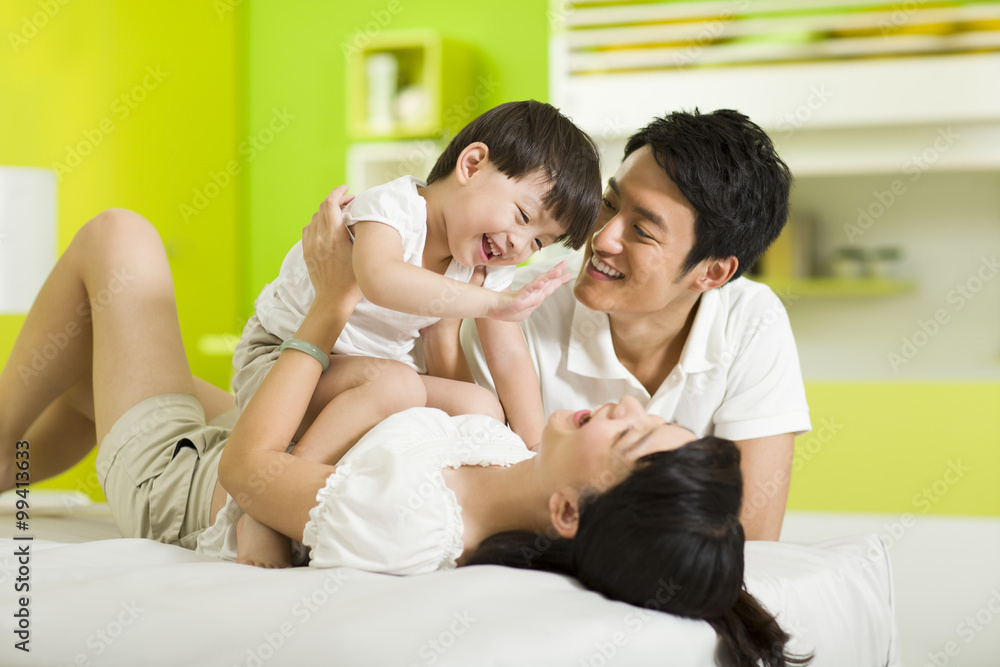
x: 706, y: 341
x: 591, y: 350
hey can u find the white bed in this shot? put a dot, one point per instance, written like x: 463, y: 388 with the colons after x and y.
x: 135, y: 602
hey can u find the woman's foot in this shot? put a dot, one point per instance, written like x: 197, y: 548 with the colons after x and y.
x: 256, y: 544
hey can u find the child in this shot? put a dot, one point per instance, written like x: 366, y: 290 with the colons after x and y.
x: 519, y: 177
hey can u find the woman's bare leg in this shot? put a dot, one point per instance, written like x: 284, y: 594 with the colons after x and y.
x: 65, y: 432
x: 107, y: 310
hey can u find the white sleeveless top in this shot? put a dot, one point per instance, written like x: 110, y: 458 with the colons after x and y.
x: 386, y: 508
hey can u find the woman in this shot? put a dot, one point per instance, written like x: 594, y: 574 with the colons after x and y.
x: 123, y: 376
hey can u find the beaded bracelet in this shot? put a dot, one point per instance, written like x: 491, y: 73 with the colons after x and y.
x: 308, y: 348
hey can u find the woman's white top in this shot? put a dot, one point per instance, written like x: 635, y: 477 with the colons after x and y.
x: 387, y: 508
x: 371, y: 331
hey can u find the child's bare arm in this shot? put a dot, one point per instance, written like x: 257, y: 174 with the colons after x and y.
x: 388, y: 281
x: 515, y: 378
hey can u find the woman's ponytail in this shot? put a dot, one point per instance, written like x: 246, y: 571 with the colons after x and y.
x: 750, y: 636
x: 527, y: 551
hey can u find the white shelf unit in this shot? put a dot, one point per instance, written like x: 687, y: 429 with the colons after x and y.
x: 371, y: 164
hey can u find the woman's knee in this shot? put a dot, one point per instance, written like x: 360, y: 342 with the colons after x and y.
x: 117, y: 222
x: 116, y: 245
x: 119, y: 229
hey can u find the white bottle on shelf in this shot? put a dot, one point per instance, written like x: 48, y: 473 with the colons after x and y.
x: 382, y: 70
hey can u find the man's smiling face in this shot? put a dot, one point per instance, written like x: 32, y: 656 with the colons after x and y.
x: 644, y: 233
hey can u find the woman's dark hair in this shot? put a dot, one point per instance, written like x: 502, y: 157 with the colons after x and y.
x: 668, y: 537
x: 532, y: 137
x: 728, y: 169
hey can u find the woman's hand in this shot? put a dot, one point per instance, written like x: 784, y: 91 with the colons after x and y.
x: 326, y: 246
x: 517, y: 306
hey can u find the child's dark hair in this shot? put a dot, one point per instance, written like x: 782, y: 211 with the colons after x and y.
x: 668, y: 537
x: 528, y: 137
x: 727, y: 168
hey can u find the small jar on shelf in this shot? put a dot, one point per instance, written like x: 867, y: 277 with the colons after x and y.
x: 848, y: 263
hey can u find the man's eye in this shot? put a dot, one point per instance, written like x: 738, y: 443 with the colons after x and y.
x: 638, y: 230
x: 605, y: 202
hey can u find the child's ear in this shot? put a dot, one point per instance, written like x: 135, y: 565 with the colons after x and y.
x: 471, y: 160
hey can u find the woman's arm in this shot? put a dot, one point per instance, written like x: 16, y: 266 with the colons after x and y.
x: 515, y: 378
x: 388, y: 281
x: 276, y: 488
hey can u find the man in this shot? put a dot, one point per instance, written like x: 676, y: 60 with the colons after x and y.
x: 659, y: 311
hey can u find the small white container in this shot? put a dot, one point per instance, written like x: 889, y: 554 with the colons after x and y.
x: 382, y: 70
x: 848, y: 263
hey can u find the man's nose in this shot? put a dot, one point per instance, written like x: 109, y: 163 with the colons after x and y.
x: 607, y: 239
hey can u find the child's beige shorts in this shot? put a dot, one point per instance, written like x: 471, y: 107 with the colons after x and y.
x: 254, y: 355
x: 158, y: 467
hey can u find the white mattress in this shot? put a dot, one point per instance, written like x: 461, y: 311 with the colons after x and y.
x: 135, y: 602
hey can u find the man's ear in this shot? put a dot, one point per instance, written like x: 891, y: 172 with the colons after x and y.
x: 565, y: 514
x: 716, y: 273
x: 471, y: 160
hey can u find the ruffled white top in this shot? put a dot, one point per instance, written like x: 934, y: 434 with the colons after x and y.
x: 387, y: 508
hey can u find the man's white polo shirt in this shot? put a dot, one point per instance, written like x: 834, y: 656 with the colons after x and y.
x: 738, y: 376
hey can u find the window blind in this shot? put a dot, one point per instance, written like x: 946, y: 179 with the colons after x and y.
x: 608, y: 36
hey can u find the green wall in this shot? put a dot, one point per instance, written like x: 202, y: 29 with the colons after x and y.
x: 77, y: 89
x: 915, y: 447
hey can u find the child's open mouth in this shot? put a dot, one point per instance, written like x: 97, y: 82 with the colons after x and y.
x: 488, y: 250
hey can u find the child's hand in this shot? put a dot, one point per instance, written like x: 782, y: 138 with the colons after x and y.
x: 326, y: 246
x: 517, y: 306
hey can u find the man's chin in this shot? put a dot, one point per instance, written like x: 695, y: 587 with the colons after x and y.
x: 590, y: 293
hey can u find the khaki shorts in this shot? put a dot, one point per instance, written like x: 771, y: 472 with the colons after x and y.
x: 252, y: 359
x: 158, y: 467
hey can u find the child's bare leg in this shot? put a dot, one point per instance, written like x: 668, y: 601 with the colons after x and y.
x: 461, y: 398
x: 256, y: 544
x: 352, y: 396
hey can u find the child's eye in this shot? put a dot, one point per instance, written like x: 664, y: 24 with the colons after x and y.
x: 524, y: 216
x: 538, y: 242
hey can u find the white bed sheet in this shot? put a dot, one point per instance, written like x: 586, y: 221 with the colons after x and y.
x: 135, y: 602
